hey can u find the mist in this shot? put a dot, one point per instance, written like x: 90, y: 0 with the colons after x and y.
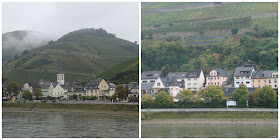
x: 56, y: 19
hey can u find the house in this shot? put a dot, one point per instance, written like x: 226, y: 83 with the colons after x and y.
x: 134, y: 92
x: 217, y: 76
x: 243, y: 75
x: 30, y: 86
x: 273, y: 80
x: 260, y: 78
x: 180, y: 76
x: 228, y: 91
x: 174, y: 88
x: 151, y: 76
x: 194, y: 80
x: 147, y: 88
x: 97, y: 87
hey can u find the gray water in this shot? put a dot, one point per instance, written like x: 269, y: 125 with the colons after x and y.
x: 57, y: 124
x: 209, y: 131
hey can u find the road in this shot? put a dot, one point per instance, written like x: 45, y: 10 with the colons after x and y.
x: 212, y: 109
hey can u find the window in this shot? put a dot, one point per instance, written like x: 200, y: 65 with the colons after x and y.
x: 208, y: 83
x: 189, y: 79
x: 253, y: 86
x: 218, y: 78
x: 158, y: 84
x: 215, y: 83
x: 275, y: 85
x: 152, y: 81
x: 208, y: 78
x: 269, y: 81
x: 259, y: 81
x: 275, y: 80
x: 189, y: 84
x: 253, y: 81
x: 215, y: 78
x: 237, y: 77
x: 247, y: 82
x: 218, y: 83
x: 264, y: 81
x: 144, y: 81
x: 194, y: 83
x: 195, y: 79
x: 237, y: 82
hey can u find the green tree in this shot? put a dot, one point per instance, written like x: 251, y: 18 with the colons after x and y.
x: 163, y: 99
x: 185, y: 96
x: 37, y: 93
x: 234, y: 31
x: 241, y: 95
x: 266, y: 97
x: 214, y: 95
x: 27, y: 95
x: 12, y: 88
x: 120, y: 92
x: 198, y: 95
x: 147, y: 101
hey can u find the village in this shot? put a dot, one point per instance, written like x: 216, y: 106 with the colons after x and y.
x: 152, y: 82
x: 96, y: 90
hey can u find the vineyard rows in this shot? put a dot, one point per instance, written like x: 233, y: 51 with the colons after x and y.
x: 223, y: 11
x: 233, y: 38
x: 203, y: 40
x: 267, y: 21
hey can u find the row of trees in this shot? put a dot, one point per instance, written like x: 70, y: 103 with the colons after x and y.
x: 258, y: 46
x: 213, y: 96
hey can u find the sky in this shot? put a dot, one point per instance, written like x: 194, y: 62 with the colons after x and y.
x: 57, y: 19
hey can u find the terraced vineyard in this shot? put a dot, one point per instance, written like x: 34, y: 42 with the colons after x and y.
x: 220, y: 11
x: 203, y: 40
x: 233, y: 38
x: 267, y: 21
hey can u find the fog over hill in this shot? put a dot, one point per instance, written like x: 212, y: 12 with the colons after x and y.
x: 14, y: 43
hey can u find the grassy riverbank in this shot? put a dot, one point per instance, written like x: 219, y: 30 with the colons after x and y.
x: 58, y: 107
x: 205, y: 114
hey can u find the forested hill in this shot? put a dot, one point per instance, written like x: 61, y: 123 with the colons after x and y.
x: 183, y: 36
x: 82, y: 52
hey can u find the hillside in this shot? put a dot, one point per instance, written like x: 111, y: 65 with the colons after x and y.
x: 14, y: 43
x: 123, y: 73
x: 216, y: 19
x: 82, y: 52
x: 180, y: 36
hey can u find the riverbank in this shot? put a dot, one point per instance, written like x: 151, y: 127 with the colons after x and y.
x: 211, y: 121
x: 80, y: 108
x: 209, y: 118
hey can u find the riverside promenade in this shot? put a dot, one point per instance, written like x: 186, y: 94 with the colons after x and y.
x: 212, y: 109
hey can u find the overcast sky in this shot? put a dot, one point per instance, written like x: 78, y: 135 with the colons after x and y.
x: 57, y: 19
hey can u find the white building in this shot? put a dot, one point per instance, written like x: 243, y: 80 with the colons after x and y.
x: 243, y: 75
x: 194, y: 80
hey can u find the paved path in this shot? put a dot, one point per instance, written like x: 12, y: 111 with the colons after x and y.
x: 212, y: 109
x: 81, y: 102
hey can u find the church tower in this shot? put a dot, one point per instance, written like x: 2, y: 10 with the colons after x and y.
x: 60, y: 77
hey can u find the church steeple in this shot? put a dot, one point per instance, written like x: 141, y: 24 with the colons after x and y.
x: 60, y: 77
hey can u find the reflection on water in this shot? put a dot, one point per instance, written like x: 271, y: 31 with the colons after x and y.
x: 209, y: 131
x: 56, y: 124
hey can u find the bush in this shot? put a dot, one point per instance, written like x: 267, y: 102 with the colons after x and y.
x: 234, y: 31
x: 149, y: 114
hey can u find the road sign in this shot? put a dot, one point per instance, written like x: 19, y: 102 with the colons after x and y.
x: 231, y: 103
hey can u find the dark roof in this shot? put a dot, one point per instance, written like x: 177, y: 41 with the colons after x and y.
x: 174, y: 82
x: 33, y: 84
x: 229, y: 90
x: 261, y: 74
x: 152, y: 74
x: 147, y: 86
x: 93, y: 84
x: 220, y: 72
x: 178, y: 75
x: 193, y: 73
x: 243, y: 71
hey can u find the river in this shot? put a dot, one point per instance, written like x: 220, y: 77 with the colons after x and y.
x: 209, y: 131
x: 31, y: 124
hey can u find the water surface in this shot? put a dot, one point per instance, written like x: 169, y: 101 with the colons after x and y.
x: 68, y: 124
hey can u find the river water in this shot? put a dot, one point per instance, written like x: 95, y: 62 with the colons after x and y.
x: 68, y: 124
x: 209, y: 131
